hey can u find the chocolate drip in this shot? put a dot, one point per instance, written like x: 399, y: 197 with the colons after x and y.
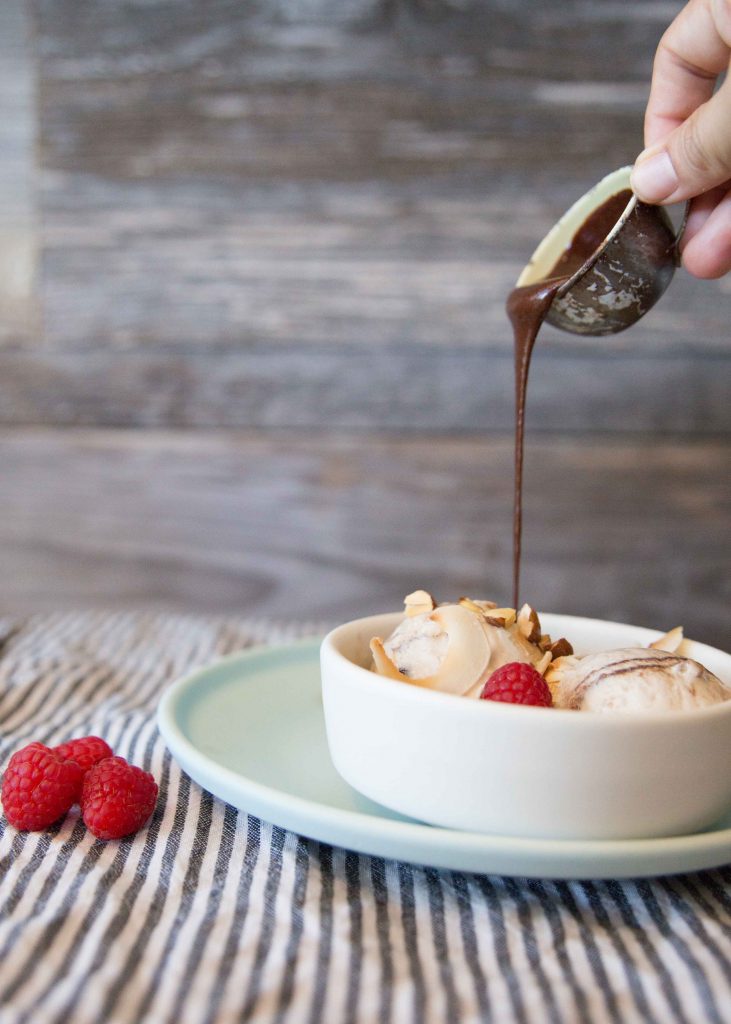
x: 527, y: 308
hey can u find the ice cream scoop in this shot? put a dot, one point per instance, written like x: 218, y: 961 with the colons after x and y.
x: 634, y: 679
x: 456, y: 647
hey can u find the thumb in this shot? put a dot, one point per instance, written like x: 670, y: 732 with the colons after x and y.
x: 692, y: 159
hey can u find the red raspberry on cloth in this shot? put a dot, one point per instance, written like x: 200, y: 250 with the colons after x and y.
x: 517, y: 683
x: 117, y: 798
x: 39, y: 787
x: 86, y: 751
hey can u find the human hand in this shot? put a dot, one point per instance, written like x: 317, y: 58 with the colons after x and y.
x: 688, y: 133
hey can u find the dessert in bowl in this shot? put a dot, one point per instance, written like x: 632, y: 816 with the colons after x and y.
x: 601, y: 763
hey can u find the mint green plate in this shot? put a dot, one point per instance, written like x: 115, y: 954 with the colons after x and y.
x: 250, y: 730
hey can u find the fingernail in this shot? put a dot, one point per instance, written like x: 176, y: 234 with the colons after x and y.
x: 654, y: 178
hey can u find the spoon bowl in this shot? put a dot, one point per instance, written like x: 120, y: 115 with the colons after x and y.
x: 623, y: 278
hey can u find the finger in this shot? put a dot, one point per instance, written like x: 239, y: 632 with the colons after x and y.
x: 700, y: 210
x: 690, y: 57
x: 694, y: 158
x: 708, y: 253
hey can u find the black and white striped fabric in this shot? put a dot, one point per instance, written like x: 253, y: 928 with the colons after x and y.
x: 212, y: 916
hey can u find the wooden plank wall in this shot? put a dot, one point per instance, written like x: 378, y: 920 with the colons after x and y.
x: 273, y: 372
x: 19, y: 298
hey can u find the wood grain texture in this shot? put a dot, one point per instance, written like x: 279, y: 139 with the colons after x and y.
x: 300, y: 219
x: 19, y: 300
x: 460, y: 389
x: 286, y: 526
x: 412, y: 264
x: 255, y: 205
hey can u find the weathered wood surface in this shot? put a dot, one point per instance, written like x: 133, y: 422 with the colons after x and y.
x: 282, y: 214
x: 379, y: 387
x: 322, y: 529
x: 302, y: 219
x: 19, y: 300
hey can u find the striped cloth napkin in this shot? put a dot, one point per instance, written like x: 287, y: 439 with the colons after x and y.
x: 210, y: 916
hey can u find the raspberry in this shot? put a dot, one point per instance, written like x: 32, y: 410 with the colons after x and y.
x: 117, y: 798
x: 517, y: 683
x: 39, y: 787
x: 85, y: 751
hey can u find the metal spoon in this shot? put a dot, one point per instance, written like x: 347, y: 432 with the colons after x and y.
x: 624, y: 277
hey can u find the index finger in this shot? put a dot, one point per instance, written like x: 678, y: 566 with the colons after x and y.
x: 691, y: 55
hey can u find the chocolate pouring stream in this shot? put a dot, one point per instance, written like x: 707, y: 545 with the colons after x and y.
x: 527, y: 308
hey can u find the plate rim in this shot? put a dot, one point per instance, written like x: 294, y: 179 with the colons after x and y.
x: 369, y: 828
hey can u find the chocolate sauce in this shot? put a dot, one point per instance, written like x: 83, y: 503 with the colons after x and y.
x: 527, y: 308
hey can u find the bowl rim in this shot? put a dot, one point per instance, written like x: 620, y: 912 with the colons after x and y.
x: 566, y: 226
x: 391, y: 688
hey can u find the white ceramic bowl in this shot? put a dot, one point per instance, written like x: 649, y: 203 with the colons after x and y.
x: 523, y: 771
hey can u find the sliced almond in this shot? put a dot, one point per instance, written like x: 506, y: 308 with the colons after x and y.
x: 545, y: 661
x: 418, y: 603
x: 506, y: 616
x: 544, y: 641
x: 561, y: 648
x: 669, y: 641
x: 493, y: 615
x: 558, y: 666
x: 529, y: 624
x: 467, y: 602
